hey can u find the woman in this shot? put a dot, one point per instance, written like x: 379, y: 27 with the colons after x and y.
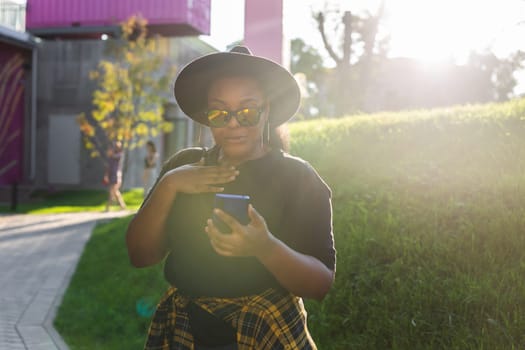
x: 150, y: 165
x: 113, y: 175
x: 240, y: 290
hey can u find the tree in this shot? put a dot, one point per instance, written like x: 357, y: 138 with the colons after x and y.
x: 307, y: 65
x: 305, y: 59
x: 504, y: 78
x: 495, y: 74
x: 353, y: 55
x: 131, y: 92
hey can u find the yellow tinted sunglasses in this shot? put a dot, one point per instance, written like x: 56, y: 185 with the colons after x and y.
x: 219, y: 118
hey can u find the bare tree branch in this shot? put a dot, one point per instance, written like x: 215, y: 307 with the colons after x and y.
x: 347, y: 37
x: 319, y: 17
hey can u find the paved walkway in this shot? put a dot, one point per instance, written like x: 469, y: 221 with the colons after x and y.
x: 38, y: 255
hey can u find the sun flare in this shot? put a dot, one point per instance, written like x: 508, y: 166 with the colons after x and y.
x: 435, y: 31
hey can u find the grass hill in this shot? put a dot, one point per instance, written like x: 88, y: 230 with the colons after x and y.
x: 429, y: 223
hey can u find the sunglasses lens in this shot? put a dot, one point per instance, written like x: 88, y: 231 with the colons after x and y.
x: 248, y: 116
x: 217, y: 118
x: 245, y: 117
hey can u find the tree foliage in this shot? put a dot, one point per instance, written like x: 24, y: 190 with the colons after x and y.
x: 307, y: 66
x: 498, y: 72
x: 130, y: 95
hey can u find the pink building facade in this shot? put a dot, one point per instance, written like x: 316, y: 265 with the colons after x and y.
x: 263, y: 29
x: 76, y: 18
x: 12, y: 115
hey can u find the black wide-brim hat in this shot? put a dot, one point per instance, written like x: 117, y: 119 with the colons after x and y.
x: 193, y: 81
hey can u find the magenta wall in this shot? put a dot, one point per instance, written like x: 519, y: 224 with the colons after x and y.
x: 68, y: 13
x: 11, y: 113
x: 263, y: 28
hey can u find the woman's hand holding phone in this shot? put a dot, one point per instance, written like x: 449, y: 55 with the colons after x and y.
x: 251, y: 239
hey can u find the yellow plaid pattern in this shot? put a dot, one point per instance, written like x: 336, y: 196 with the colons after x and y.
x: 270, y: 320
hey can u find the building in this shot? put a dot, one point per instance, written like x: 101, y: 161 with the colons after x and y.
x: 51, y: 62
x: 17, y: 113
x: 57, y: 43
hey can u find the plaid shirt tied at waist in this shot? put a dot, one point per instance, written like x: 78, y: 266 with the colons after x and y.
x: 270, y: 320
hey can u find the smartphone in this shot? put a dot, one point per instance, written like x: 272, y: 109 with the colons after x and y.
x: 233, y: 204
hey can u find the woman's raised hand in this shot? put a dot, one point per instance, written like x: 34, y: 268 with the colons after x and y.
x: 199, y: 178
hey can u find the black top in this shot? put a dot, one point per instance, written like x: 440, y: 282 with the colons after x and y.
x: 285, y: 190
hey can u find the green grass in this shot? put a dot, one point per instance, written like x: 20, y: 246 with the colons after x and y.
x: 429, y: 211
x: 427, y: 271
x: 429, y: 222
x: 101, y: 309
x: 73, y: 201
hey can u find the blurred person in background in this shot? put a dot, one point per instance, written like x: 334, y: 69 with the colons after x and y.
x: 150, y: 166
x: 113, y: 175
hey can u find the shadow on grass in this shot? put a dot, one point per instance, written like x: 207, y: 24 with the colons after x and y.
x: 71, y: 201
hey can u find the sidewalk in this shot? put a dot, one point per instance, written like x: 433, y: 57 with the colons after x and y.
x: 38, y: 255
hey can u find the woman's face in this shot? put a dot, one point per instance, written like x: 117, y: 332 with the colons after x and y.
x: 231, y: 94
